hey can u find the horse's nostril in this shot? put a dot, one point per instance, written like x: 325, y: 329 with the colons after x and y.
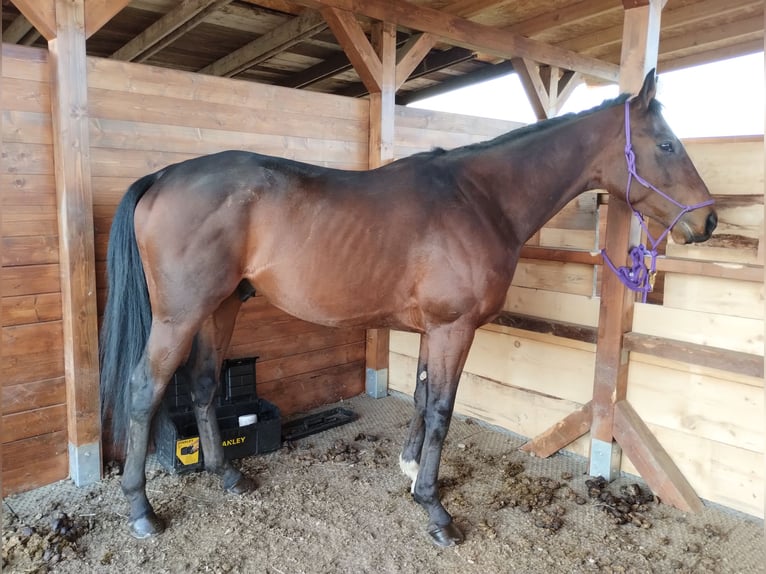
x: 711, y: 223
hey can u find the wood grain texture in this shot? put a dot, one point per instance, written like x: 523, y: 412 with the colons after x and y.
x: 652, y: 461
x: 69, y: 103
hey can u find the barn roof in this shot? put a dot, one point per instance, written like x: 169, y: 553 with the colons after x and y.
x: 288, y: 42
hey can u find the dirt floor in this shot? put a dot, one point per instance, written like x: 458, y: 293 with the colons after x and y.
x: 337, y: 502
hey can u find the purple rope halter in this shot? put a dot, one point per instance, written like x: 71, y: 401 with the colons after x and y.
x: 636, y: 276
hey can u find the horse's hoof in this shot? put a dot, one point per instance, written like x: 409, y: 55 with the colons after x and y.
x: 146, y: 527
x: 243, y: 485
x: 446, y: 536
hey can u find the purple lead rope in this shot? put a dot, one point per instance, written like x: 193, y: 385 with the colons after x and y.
x: 637, y: 276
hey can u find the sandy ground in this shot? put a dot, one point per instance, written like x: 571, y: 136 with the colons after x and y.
x: 337, y: 502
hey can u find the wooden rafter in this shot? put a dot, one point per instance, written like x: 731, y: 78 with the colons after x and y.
x: 168, y: 29
x: 290, y: 33
x: 352, y: 39
x: 409, y: 56
x: 17, y: 29
x: 30, y: 37
x: 433, y: 62
x: 42, y: 15
x: 686, y: 16
x: 461, y: 32
x: 547, y: 87
x: 566, y: 16
x: 99, y: 12
x: 328, y: 68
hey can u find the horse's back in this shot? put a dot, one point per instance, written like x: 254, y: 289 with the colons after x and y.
x: 329, y: 246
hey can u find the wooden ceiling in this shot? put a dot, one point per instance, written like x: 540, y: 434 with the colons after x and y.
x: 288, y: 43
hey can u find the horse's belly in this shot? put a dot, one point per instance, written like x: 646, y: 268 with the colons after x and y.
x: 336, y: 298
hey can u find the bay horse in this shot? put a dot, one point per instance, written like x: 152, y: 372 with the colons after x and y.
x: 426, y: 244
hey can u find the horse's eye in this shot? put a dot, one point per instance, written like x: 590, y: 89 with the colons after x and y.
x: 666, y: 146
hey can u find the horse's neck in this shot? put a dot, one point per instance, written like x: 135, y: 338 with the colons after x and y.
x: 532, y: 178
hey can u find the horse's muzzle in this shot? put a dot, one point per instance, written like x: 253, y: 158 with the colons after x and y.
x: 710, y: 224
x: 687, y: 230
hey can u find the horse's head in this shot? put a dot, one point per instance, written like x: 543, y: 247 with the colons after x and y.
x: 664, y: 185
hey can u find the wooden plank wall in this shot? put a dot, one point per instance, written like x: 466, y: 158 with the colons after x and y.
x: 710, y: 420
x: 32, y: 363
x: 142, y: 119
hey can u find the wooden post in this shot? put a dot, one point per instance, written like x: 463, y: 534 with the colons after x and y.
x: 641, y: 36
x: 615, y: 426
x: 1, y: 248
x: 69, y: 103
x: 381, y: 152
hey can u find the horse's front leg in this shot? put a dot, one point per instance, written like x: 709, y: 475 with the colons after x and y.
x: 447, y: 351
x: 409, y: 459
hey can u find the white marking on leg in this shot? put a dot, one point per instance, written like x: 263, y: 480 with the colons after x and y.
x: 410, y: 468
x: 423, y: 375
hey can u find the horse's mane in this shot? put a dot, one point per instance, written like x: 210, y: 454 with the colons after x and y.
x: 533, y: 128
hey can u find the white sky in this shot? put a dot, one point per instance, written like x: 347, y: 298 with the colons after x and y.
x: 723, y: 98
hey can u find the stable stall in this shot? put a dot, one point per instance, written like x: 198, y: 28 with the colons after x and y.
x: 573, y: 362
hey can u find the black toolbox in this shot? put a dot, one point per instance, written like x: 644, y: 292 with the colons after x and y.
x: 176, y: 435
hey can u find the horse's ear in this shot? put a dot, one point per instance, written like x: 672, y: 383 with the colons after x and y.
x: 648, y: 90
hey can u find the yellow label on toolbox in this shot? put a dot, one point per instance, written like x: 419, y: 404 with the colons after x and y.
x: 187, y: 450
x: 234, y: 441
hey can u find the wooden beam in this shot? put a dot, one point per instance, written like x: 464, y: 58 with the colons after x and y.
x: 332, y: 66
x: 382, y: 106
x: 567, y: 15
x: 17, y: 29
x: 695, y: 354
x: 292, y: 32
x: 99, y: 12
x: 187, y: 15
x: 568, y: 83
x: 639, y: 55
x: 532, y: 82
x: 740, y: 272
x: 2, y: 322
x: 549, y: 327
x: 381, y: 152
x: 352, y: 39
x: 41, y: 13
x: 30, y: 37
x: 687, y: 15
x: 409, y: 56
x: 564, y: 432
x: 433, y: 62
x: 461, y: 32
x: 652, y: 461
x: 412, y: 58
x: 69, y: 113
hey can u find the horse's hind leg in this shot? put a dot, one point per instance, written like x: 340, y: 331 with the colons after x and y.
x: 204, y: 368
x: 447, y: 351
x: 409, y: 460
x: 166, y: 349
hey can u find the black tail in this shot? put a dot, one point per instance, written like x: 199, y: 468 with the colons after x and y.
x: 127, y: 316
